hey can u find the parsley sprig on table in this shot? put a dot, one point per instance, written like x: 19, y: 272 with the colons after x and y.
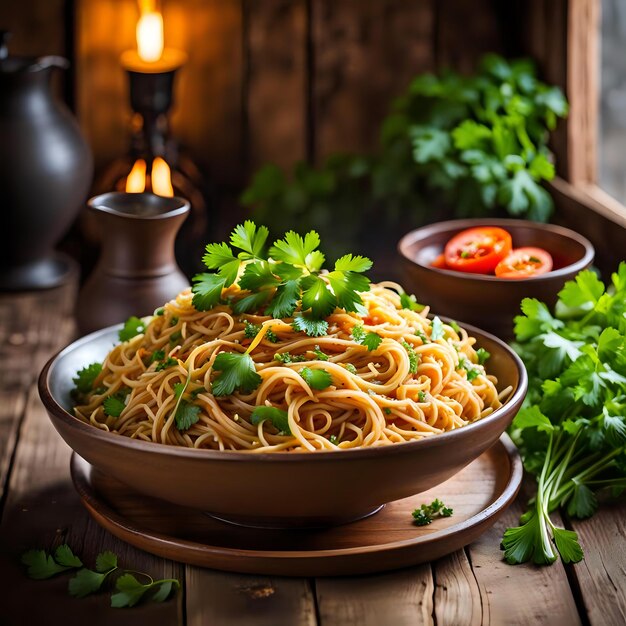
x: 128, y: 590
x: 282, y: 280
x: 572, y: 429
x: 428, y: 512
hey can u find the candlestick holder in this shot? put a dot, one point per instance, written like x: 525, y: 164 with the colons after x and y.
x: 154, y: 161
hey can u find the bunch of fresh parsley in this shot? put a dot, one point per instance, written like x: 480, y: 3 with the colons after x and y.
x: 128, y: 590
x: 572, y: 429
x: 481, y: 140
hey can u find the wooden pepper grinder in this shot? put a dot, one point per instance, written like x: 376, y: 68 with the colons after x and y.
x: 137, y: 270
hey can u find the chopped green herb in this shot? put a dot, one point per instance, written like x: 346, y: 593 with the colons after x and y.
x: 455, y: 327
x: 287, y: 358
x: 316, y: 378
x: 89, y: 581
x: 387, y: 411
x: 278, y: 417
x: 174, y: 337
x: 422, y: 336
x: 427, y: 512
x: 471, y: 371
x: 437, y: 329
x: 350, y: 368
x: 237, y: 371
x: 115, y: 404
x: 465, y: 254
x: 252, y: 330
x: 358, y: 333
x: 159, y: 311
x: 370, y: 340
x: 409, y: 302
x: 534, y: 259
x: 129, y: 591
x: 333, y: 439
x: 174, y: 321
x: 86, y: 377
x: 157, y: 355
x: 321, y: 356
x: 413, y: 357
x: 169, y: 362
x: 482, y: 355
x: 132, y: 327
x: 421, y: 396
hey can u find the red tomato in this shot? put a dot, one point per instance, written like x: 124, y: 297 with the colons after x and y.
x: 478, y: 250
x: 440, y: 262
x: 524, y: 262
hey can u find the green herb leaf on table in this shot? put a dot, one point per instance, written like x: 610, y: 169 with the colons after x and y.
x: 276, y: 416
x: 129, y: 591
x: 133, y: 326
x: 237, y: 372
x: 41, y: 565
x: 316, y: 378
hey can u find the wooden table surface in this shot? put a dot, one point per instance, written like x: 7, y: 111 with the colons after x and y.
x: 40, y: 509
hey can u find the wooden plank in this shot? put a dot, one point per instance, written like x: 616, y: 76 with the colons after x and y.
x: 276, y: 81
x: 42, y: 511
x: 519, y: 594
x: 602, y: 574
x: 583, y: 67
x: 12, y: 405
x: 465, y: 30
x: 400, y: 598
x: 365, y: 54
x: 221, y: 599
x: 457, y: 596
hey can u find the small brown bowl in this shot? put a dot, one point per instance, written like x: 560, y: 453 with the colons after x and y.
x: 279, y: 489
x: 488, y: 301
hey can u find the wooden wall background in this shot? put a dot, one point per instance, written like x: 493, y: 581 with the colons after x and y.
x: 267, y: 80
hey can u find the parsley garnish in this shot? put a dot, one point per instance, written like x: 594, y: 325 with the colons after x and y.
x: 185, y: 413
x: 409, y: 302
x: 86, y: 377
x: 129, y: 590
x: 437, y: 329
x: 133, y: 326
x: 115, y: 404
x: 237, y: 371
x: 370, y: 340
x: 157, y: 355
x: 316, y: 378
x: 287, y: 277
x: 455, y: 327
x: 333, y: 439
x: 471, y: 372
x: 413, y: 357
x: 427, y: 512
x: 159, y: 311
x: 174, y: 337
x: 277, y: 417
x: 312, y: 327
x: 482, y: 355
x: 387, y: 411
x: 350, y: 368
x: 421, y: 396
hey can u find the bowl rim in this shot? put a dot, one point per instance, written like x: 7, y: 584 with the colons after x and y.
x: 54, y: 408
x: 424, y: 232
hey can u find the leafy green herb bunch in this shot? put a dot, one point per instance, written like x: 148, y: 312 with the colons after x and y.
x: 572, y: 430
x: 479, y: 141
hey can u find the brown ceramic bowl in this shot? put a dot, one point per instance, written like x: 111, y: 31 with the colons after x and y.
x: 488, y: 301
x: 280, y: 490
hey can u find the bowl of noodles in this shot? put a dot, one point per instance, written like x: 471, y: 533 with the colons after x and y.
x: 387, y: 402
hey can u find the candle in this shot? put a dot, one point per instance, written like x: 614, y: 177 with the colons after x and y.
x: 151, y: 57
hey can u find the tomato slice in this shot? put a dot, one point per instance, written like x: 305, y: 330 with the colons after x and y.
x: 440, y: 262
x: 478, y: 250
x: 525, y: 262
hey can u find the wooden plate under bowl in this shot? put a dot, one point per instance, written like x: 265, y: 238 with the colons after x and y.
x: 387, y: 540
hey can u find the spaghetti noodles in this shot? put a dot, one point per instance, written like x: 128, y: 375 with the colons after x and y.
x: 422, y: 377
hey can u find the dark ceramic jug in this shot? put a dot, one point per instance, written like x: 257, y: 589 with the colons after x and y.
x: 137, y: 271
x: 45, y: 172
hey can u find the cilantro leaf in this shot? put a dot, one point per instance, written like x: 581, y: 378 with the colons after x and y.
x: 86, y: 377
x: 237, y: 372
x: 157, y: 355
x: 585, y: 290
x: 285, y: 301
x: 372, y: 341
x: 437, y: 330
x: 583, y: 502
x: 169, y: 362
x: 219, y: 256
x: 106, y: 561
x: 133, y: 326
x: 86, y: 582
x: 258, y: 275
x: 427, y: 512
x: 532, y: 417
x: 187, y: 415
x: 277, y: 417
x: 358, y: 333
x: 129, y: 591
x: 253, y: 302
x: 312, y: 327
x: 346, y: 286
x: 317, y: 297
x: 567, y: 545
x: 321, y: 356
x: 316, y: 378
x: 249, y: 238
x: 114, y: 405
x: 42, y: 565
x: 349, y: 263
x: 207, y: 290
x: 294, y: 249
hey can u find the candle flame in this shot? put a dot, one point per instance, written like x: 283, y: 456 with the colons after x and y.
x: 136, y: 181
x: 161, y: 178
x: 149, y: 32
